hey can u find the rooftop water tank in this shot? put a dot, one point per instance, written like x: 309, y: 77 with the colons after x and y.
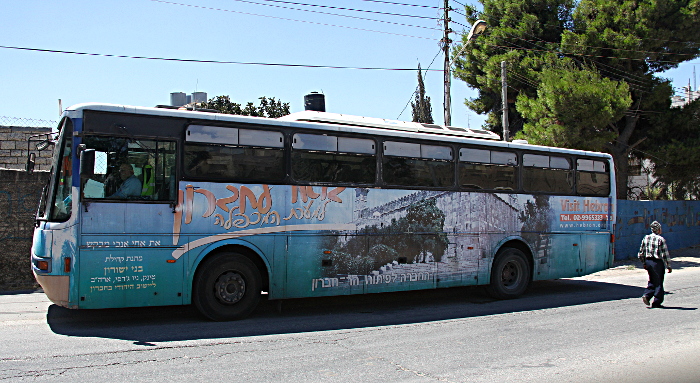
x: 199, y: 97
x: 178, y: 98
x: 315, y: 101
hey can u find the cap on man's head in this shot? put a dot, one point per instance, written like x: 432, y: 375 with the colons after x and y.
x: 655, y: 226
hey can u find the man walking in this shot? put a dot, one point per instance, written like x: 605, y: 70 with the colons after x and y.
x: 654, y: 256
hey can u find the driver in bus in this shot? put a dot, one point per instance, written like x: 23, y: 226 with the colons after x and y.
x: 130, y: 186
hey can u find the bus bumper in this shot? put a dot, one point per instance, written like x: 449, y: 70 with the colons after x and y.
x: 55, y: 287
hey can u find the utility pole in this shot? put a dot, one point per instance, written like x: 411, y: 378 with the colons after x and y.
x: 504, y: 101
x: 446, y: 48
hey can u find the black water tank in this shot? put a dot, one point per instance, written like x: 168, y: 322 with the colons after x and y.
x: 315, y: 101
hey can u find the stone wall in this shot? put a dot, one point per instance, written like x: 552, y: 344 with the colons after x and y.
x: 19, y: 198
x: 13, y: 147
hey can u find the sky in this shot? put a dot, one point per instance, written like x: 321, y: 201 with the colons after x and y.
x: 32, y: 82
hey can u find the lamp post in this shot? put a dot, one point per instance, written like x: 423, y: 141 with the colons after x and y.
x: 478, y: 28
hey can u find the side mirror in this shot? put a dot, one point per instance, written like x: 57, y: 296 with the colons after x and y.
x: 31, y: 162
x: 43, y: 145
x: 87, y: 163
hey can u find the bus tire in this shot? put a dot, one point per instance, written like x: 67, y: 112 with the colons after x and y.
x: 510, y: 274
x: 227, y: 287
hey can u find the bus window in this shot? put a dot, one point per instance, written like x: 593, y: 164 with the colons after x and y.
x: 409, y: 164
x: 249, y: 156
x: 332, y: 159
x: 130, y: 169
x: 61, y: 209
x: 487, y: 169
x: 592, y: 178
x: 547, y: 174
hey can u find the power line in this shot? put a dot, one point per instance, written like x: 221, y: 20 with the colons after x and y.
x: 642, y: 84
x: 329, y: 7
x: 409, y: 5
x: 457, y: 12
x: 452, y: 21
x: 288, y: 19
x: 209, y: 61
x: 577, y: 54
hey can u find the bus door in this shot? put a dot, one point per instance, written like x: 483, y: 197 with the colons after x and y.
x: 564, y: 256
x: 127, y: 218
x: 595, y: 252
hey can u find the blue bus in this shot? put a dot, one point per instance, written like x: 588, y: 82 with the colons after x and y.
x: 158, y: 206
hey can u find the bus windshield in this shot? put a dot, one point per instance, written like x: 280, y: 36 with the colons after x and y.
x: 60, y: 202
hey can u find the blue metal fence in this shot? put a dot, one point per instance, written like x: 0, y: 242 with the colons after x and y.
x: 680, y: 221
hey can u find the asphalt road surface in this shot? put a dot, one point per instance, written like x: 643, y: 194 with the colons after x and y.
x: 589, y: 329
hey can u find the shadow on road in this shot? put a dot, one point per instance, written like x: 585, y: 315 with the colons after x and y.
x: 177, y: 323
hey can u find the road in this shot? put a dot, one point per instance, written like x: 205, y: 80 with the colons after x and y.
x: 588, y: 329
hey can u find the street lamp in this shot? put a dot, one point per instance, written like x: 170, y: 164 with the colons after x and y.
x: 478, y: 28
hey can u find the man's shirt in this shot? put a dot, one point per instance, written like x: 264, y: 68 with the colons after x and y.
x: 654, y: 246
x: 131, y: 187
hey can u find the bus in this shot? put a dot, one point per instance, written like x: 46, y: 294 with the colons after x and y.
x: 161, y: 206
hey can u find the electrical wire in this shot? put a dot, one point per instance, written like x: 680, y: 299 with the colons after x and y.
x: 329, y: 7
x: 578, y: 54
x: 452, y: 21
x: 409, y: 5
x: 209, y: 61
x: 641, y: 85
x: 302, y: 10
x: 288, y: 19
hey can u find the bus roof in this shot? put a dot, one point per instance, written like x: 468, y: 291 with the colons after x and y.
x: 338, y: 122
x: 380, y: 123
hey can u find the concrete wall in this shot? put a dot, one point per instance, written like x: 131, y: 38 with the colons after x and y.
x: 680, y: 221
x: 13, y: 148
x: 19, y: 198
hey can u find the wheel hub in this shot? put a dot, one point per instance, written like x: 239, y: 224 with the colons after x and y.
x: 229, y: 287
x: 510, y: 274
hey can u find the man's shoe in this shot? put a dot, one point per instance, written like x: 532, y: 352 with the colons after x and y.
x: 657, y: 306
x: 645, y: 300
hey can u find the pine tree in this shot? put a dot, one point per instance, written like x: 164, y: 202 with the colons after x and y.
x: 422, y: 111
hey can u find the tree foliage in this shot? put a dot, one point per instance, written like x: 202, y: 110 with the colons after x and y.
x: 573, y: 108
x: 268, y: 107
x: 676, y: 156
x: 628, y: 41
x: 422, y: 110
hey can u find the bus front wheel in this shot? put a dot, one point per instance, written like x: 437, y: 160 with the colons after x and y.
x: 510, y: 274
x: 227, y: 287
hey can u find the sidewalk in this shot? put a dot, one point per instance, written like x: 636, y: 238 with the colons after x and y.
x: 680, y: 258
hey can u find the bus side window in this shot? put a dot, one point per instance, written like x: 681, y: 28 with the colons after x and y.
x: 547, y: 174
x: 487, y: 169
x: 330, y: 159
x: 410, y: 164
x: 231, y: 154
x: 592, y: 178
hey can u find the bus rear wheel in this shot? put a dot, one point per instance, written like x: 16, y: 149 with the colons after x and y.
x: 510, y: 274
x: 227, y: 287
